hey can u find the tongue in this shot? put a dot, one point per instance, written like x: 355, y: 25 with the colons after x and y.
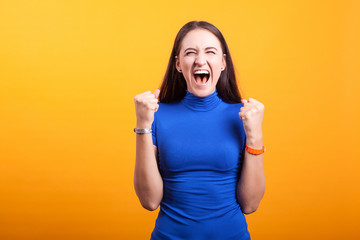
x: 204, y: 79
x: 200, y: 80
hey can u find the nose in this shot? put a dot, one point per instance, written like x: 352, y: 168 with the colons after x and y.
x: 200, y: 60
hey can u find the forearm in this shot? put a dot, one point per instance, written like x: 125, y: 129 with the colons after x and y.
x: 251, y: 185
x: 147, y: 179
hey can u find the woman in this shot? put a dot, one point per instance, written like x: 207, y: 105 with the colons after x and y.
x: 203, y: 161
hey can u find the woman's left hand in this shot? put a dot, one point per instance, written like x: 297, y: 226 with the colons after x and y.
x: 252, y: 114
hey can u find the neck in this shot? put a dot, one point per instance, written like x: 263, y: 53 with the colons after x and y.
x: 201, y: 104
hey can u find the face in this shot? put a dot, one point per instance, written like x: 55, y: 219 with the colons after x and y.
x: 201, y: 61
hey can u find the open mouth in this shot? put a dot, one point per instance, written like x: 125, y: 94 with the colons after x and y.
x: 201, y: 77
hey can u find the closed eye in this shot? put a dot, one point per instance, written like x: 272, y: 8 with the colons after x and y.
x: 188, y: 53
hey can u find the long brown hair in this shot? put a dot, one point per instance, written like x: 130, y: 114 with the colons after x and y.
x: 173, y: 87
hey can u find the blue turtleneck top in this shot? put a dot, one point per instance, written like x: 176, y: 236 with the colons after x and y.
x: 200, y: 142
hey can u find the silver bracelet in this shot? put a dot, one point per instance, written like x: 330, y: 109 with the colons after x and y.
x: 142, y: 130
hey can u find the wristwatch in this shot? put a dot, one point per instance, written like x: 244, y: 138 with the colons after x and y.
x: 142, y: 130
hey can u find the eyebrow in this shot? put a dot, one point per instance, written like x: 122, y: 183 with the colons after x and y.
x: 205, y: 49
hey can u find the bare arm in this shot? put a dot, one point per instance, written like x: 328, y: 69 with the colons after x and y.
x: 147, y: 179
x: 251, y: 185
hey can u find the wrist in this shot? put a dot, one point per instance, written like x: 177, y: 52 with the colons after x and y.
x: 143, y: 125
x: 255, y: 142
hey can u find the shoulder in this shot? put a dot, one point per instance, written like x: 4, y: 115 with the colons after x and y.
x: 169, y: 106
x: 232, y: 106
x: 168, y: 109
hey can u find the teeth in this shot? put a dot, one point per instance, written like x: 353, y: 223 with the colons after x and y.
x: 201, y: 72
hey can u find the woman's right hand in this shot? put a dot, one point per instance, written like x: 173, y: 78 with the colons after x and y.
x: 146, y: 104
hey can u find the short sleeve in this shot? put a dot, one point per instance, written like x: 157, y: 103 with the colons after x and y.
x: 153, y: 128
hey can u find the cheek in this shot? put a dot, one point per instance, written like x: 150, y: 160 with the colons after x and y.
x: 216, y: 69
x: 216, y: 66
x: 186, y: 66
x: 216, y: 62
x: 187, y: 63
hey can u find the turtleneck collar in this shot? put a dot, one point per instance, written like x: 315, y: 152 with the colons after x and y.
x: 201, y: 104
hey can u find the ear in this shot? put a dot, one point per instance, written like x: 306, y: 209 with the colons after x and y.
x: 177, y: 63
x: 224, y: 61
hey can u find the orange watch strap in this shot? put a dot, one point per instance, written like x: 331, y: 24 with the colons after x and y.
x: 255, y: 151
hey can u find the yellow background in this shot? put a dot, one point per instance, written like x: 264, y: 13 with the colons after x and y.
x: 69, y: 71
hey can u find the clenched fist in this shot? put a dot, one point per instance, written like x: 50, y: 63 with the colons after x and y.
x: 146, y: 104
x: 252, y: 114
